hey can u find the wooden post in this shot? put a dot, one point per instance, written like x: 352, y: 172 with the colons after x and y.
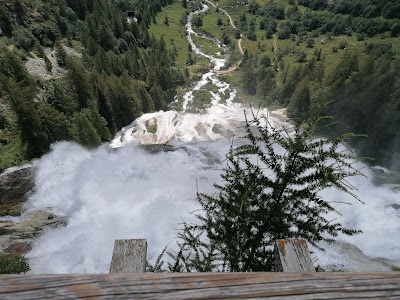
x: 293, y: 256
x: 129, y: 256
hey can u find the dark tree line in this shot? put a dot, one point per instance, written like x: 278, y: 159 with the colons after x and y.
x: 361, y: 93
x: 343, y: 17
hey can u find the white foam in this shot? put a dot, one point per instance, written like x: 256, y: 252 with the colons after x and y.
x: 378, y: 220
x: 217, y: 121
x: 209, y: 77
x: 129, y: 193
x: 105, y: 195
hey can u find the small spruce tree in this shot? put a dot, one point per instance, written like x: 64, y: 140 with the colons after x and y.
x: 271, y: 190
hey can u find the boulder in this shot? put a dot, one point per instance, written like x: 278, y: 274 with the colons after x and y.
x: 157, y: 148
x: 17, y: 234
x: 15, y: 187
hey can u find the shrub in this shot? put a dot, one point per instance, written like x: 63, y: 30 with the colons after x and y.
x: 14, y: 265
x: 23, y: 38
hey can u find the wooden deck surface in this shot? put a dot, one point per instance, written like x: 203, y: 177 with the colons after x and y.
x: 203, y: 286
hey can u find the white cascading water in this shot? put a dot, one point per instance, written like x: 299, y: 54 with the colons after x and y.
x: 128, y: 192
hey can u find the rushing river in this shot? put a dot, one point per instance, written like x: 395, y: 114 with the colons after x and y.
x: 130, y: 192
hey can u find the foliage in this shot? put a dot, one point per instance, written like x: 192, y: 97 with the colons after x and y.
x: 23, y: 38
x: 366, y: 99
x: 314, y: 4
x: 197, y: 21
x: 83, y: 131
x: 270, y: 190
x: 14, y: 265
x: 301, y: 56
x: 123, y: 71
x: 353, y: 76
x: 284, y: 32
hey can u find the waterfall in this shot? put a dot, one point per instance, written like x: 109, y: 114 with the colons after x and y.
x: 127, y: 192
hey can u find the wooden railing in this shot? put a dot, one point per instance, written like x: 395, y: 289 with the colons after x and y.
x: 203, y: 286
x: 127, y: 280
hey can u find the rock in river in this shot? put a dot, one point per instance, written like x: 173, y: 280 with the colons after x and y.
x: 15, y: 186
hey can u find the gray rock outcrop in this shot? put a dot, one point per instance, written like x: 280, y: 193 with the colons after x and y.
x: 17, y: 234
x: 15, y: 186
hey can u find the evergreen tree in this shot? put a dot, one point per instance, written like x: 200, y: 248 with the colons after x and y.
x: 83, y: 131
x: 158, y: 97
x: 271, y: 190
x: 299, y: 106
x: 79, y: 79
x: 60, y: 54
x: 40, y: 124
x: 104, y: 104
x: 99, y: 123
x: 249, y: 75
x: 58, y: 96
x: 14, y: 264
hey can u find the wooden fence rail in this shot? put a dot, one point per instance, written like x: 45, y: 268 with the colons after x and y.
x: 202, y: 286
x: 127, y: 280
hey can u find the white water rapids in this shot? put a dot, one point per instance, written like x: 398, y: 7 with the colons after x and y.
x: 131, y: 193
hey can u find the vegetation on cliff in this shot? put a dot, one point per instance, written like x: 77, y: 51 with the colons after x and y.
x: 123, y: 72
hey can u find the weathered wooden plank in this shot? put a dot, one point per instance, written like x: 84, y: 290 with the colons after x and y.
x: 293, y: 256
x: 129, y: 256
x: 203, y: 286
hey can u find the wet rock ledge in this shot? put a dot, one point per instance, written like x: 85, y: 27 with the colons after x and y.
x: 18, y: 229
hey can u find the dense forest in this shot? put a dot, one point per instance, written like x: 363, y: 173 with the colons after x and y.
x: 358, y: 86
x: 122, y: 73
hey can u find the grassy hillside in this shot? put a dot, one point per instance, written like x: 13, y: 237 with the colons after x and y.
x: 173, y: 33
x: 308, y: 55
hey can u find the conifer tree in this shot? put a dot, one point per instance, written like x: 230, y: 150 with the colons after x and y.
x: 79, y: 80
x: 271, y: 190
x: 300, y: 104
x: 60, y: 54
x: 98, y: 122
x: 83, y: 131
